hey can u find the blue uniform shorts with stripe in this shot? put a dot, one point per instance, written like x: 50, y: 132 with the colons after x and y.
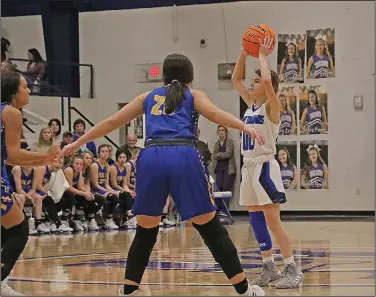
x: 175, y: 170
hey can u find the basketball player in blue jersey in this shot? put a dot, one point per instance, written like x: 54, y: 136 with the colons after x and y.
x: 14, y: 226
x: 131, y: 175
x: 119, y: 182
x: 315, y: 171
x: 291, y: 65
x: 320, y: 64
x: 313, y: 118
x: 261, y: 189
x: 171, y: 113
x: 289, y: 173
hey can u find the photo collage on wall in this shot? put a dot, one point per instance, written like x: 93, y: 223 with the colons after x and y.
x: 302, y: 146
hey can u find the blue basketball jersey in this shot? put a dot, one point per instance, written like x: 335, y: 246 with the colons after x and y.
x: 180, y: 124
x: 316, y: 177
x: 287, y: 174
x: 320, y: 67
x: 75, y: 178
x: 132, y: 179
x: 286, y: 123
x: 4, y: 154
x: 120, y: 175
x: 26, y: 180
x: 7, y: 201
x: 314, y: 120
x: 102, y: 175
x: 46, y: 177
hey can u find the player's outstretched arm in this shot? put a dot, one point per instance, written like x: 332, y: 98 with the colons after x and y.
x: 216, y: 115
x: 128, y: 113
x: 12, y: 119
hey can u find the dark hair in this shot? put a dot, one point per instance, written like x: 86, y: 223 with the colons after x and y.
x: 308, y: 164
x: 119, y: 152
x: 317, y: 103
x: 57, y: 121
x: 177, y: 73
x: 288, y: 161
x: 10, y: 82
x: 275, y: 79
x: 77, y: 122
x: 295, y: 56
x: 36, y: 55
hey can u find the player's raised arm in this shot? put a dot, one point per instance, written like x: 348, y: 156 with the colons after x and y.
x: 274, y: 104
x: 237, y: 78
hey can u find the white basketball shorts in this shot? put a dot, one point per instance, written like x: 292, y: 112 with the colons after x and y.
x: 261, y: 183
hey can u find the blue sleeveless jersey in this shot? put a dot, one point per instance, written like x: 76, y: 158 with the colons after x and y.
x: 320, y: 67
x: 132, y: 179
x: 314, y: 120
x: 287, y: 174
x: 75, y: 178
x: 316, y: 177
x: 120, y: 175
x: 27, y: 180
x: 4, y: 154
x: 6, y: 190
x: 180, y: 124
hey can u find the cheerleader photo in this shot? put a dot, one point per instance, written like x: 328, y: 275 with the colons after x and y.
x: 320, y: 53
x: 287, y: 96
x: 314, y: 164
x: 313, y: 109
x: 287, y: 160
x: 291, y: 57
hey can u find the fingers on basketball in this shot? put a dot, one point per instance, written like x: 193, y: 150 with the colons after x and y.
x: 252, y: 36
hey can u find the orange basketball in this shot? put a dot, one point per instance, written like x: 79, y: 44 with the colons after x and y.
x: 251, y: 36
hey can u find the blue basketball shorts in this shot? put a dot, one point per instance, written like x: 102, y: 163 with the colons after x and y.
x: 7, y: 200
x: 175, y: 170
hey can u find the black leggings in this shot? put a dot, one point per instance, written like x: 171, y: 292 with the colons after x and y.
x: 125, y: 201
x: 65, y: 204
x: 13, y: 242
x: 90, y: 207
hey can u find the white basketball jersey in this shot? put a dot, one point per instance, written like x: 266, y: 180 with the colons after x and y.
x: 257, y: 118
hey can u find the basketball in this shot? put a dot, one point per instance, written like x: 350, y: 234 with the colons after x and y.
x: 251, y: 36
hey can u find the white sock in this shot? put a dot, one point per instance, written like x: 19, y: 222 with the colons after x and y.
x: 289, y: 260
x: 268, y: 259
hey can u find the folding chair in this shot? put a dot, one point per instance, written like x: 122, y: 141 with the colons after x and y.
x: 221, y: 196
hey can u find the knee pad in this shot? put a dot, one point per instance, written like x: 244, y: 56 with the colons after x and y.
x: 126, y: 200
x: 260, y: 228
x: 218, y: 241
x: 113, y: 199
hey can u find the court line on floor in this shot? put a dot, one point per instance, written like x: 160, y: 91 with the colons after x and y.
x: 36, y: 280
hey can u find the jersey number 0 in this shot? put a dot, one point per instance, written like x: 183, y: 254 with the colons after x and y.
x: 248, y: 142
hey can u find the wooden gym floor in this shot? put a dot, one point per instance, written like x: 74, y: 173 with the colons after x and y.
x: 336, y: 257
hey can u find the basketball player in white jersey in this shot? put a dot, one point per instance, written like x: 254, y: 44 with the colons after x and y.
x: 261, y: 189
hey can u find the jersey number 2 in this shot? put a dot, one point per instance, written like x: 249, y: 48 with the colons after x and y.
x: 248, y: 143
x: 159, y: 106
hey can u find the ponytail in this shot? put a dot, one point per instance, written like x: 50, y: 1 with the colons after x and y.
x: 174, y: 97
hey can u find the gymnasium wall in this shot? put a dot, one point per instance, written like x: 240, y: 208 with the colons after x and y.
x: 23, y: 33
